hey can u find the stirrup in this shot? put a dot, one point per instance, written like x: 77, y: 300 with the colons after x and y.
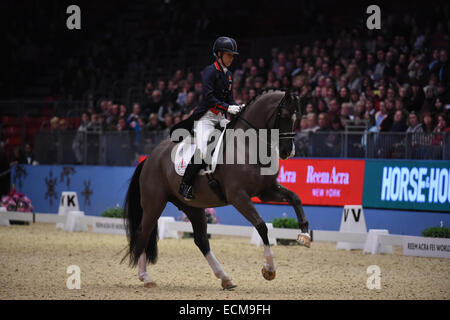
x: 186, y: 192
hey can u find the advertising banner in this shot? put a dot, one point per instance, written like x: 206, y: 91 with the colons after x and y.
x: 413, y: 185
x: 426, y: 247
x: 323, y: 182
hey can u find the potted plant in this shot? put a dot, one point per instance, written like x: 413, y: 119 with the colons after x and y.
x: 16, y: 201
x: 285, y: 222
x: 436, y: 232
x: 116, y: 212
x: 210, y: 218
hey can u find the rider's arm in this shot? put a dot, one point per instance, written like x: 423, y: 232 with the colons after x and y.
x: 230, y: 97
x: 208, y: 91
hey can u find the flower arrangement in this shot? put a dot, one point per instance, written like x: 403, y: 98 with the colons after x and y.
x: 16, y: 201
x: 210, y: 216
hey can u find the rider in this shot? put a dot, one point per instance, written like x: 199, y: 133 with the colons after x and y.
x: 217, y: 99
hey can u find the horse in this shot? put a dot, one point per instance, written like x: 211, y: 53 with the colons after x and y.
x: 155, y: 183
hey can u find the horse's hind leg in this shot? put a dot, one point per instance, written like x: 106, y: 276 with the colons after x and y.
x: 142, y: 273
x: 280, y: 193
x: 151, y: 212
x: 242, y: 202
x: 197, y: 217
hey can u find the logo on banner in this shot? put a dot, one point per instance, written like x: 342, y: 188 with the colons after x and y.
x: 404, y: 184
x: 286, y: 176
x: 325, y: 177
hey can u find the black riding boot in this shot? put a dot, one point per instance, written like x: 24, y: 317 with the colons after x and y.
x: 188, y: 180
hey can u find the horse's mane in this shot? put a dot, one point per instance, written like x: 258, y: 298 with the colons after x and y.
x: 251, y: 101
x: 266, y: 90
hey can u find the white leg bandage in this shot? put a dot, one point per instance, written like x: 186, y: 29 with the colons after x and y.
x: 268, y: 254
x: 215, y: 266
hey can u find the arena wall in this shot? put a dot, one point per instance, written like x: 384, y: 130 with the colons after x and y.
x: 324, y: 185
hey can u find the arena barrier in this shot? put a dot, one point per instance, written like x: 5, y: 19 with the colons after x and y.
x: 374, y: 241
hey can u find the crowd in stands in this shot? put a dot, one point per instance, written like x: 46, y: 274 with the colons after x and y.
x: 393, y: 80
x: 396, y: 81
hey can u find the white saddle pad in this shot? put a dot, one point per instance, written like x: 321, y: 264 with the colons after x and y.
x: 186, y: 149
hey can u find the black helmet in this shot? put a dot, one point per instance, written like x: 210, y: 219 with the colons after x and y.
x: 225, y: 44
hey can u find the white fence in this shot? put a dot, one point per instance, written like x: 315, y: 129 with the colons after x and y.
x: 116, y: 226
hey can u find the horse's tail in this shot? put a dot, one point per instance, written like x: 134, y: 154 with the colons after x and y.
x: 133, y: 217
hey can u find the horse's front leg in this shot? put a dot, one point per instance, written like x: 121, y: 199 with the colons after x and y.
x: 242, y: 202
x: 279, y: 193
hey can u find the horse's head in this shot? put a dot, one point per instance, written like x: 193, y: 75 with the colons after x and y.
x: 274, y: 110
x: 284, y: 117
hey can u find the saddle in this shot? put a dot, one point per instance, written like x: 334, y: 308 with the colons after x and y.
x: 185, y: 149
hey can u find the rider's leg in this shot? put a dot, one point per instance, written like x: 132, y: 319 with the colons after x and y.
x: 203, y: 129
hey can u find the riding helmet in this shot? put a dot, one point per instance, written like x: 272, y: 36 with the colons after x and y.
x: 225, y: 44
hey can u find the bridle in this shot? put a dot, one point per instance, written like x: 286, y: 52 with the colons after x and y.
x: 277, y: 111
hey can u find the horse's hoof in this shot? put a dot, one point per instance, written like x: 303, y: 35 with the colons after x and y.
x: 228, y: 284
x: 149, y: 284
x: 304, y: 240
x: 267, y: 274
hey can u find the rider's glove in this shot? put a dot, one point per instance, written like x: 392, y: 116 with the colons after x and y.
x: 233, y: 109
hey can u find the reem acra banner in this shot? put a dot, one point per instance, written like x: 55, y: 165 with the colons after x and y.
x: 412, y: 185
x: 323, y: 182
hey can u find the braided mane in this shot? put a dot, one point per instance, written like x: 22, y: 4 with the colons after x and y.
x: 250, y: 102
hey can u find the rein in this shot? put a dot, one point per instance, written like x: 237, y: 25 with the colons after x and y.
x: 281, y: 105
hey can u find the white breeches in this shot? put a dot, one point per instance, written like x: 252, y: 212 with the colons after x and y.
x: 203, y: 129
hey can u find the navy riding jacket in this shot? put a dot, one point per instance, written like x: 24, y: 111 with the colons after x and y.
x: 217, y: 95
x: 217, y: 90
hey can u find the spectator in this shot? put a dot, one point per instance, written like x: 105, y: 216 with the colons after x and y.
x: 54, y: 124
x: 153, y: 123
x: 441, y: 67
x: 399, y: 124
x: 29, y: 156
x: 414, y: 132
x: 122, y: 125
x: 18, y: 157
x: 379, y: 67
x: 78, y: 141
x: 334, y: 108
x: 323, y: 122
x: 113, y: 117
x: 156, y: 101
x: 441, y: 128
x: 135, y: 114
x: 336, y: 125
x: 301, y: 140
x: 168, y: 121
x: 380, y: 115
x: 312, y: 122
x: 414, y: 125
x: 63, y: 125
x: 122, y: 111
x: 353, y: 78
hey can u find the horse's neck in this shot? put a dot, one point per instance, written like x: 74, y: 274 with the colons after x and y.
x: 260, y: 110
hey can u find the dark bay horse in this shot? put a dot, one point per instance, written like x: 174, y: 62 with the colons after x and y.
x: 155, y: 182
